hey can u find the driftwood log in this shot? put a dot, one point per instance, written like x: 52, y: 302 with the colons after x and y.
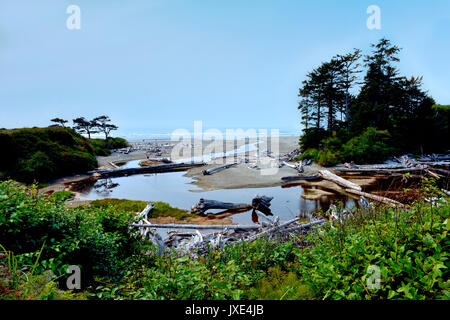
x: 144, y: 214
x: 302, y: 177
x: 298, y: 166
x: 262, y: 204
x: 327, y: 175
x: 196, y: 226
x: 154, y: 169
x: 389, y: 202
x: 204, y: 205
x: 217, y: 169
x: 377, y: 170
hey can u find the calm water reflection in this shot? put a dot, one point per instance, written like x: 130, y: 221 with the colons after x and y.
x: 178, y: 190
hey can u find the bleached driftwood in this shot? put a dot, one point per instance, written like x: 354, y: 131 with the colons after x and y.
x: 298, y: 166
x: 218, y: 168
x: 386, y: 201
x: 197, y: 226
x: 144, y: 214
x: 327, y: 175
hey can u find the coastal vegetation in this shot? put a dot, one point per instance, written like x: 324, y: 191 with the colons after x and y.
x: 43, y: 154
x: 41, y: 237
x: 347, y: 117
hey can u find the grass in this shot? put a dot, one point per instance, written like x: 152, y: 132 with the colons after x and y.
x: 162, y: 209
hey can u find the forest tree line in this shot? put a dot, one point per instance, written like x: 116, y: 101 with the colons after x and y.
x: 360, y: 108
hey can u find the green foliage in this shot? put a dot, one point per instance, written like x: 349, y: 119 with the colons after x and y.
x: 312, y: 138
x: 61, y: 196
x: 279, y: 285
x: 226, y: 274
x: 97, y: 239
x: 370, y: 146
x: 101, y: 149
x: 410, y: 248
x: 44, y: 153
x: 386, y: 102
x: 162, y: 209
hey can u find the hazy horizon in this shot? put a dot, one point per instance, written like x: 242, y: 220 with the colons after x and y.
x: 155, y: 66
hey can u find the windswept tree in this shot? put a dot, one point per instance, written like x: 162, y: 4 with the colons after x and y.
x: 348, y: 73
x: 81, y: 125
x: 322, y: 95
x: 103, y: 125
x: 59, y: 121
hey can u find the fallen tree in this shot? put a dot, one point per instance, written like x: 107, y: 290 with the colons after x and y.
x: 389, y: 202
x: 217, y: 169
x: 204, y: 205
x: 196, y: 226
x: 153, y: 169
x: 314, y: 177
x: 327, y: 175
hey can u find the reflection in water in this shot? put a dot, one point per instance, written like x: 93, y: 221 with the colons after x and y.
x: 178, y: 190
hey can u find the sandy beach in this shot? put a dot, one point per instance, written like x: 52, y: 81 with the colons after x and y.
x: 240, y: 176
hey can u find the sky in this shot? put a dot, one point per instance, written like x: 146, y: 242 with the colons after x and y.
x: 157, y: 65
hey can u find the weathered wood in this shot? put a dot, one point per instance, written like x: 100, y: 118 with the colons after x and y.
x: 302, y: 177
x: 262, y: 204
x: 219, y: 168
x: 386, y: 201
x: 204, y: 205
x: 298, y: 166
x: 327, y: 175
x: 144, y: 214
x: 112, y: 164
x: 154, y: 169
x: 304, y: 226
x: 440, y: 171
x: 196, y: 226
x: 386, y: 171
x: 271, y: 230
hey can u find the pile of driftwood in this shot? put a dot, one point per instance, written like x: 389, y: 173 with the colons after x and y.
x: 188, y: 238
x: 345, y: 185
x: 436, y: 166
x: 192, y: 239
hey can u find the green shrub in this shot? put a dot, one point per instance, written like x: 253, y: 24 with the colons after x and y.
x: 410, y: 248
x: 371, y: 146
x: 100, y: 149
x: 43, y: 154
x: 322, y: 157
x: 312, y: 138
x: 279, y: 285
x: 97, y: 239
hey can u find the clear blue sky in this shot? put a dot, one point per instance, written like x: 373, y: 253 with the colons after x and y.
x: 158, y: 65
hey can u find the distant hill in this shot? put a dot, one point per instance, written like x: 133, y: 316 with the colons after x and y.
x: 42, y: 154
